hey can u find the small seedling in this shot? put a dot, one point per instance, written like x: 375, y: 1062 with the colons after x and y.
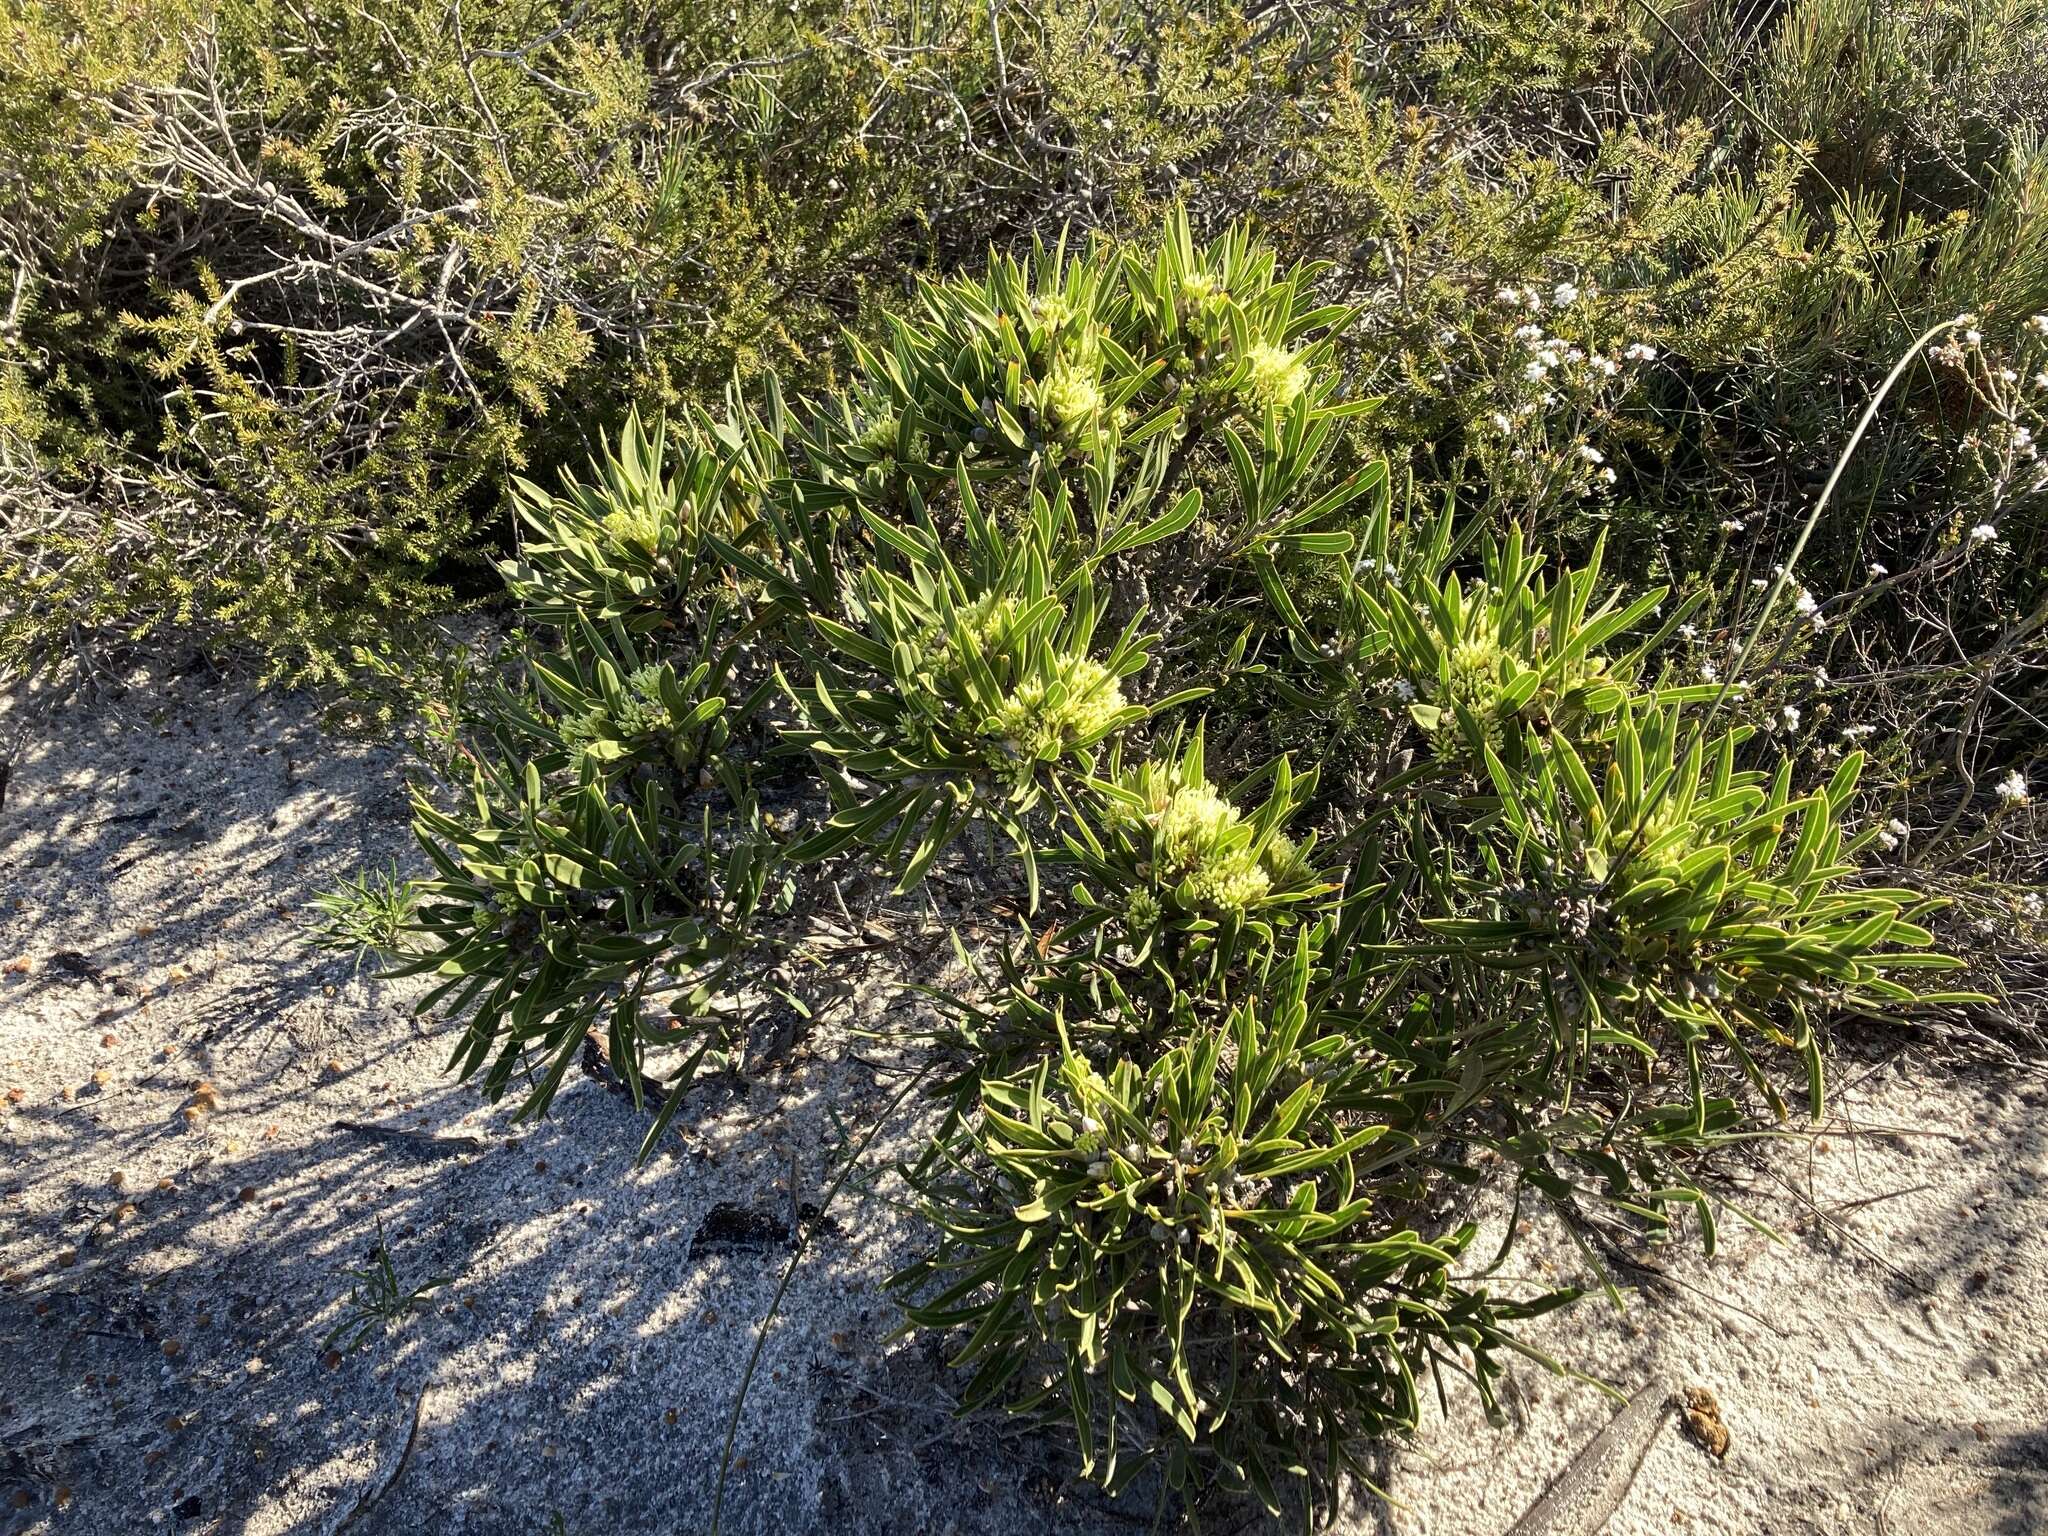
x: 370, y: 912
x: 377, y: 1301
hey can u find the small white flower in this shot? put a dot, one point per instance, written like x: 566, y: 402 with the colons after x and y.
x: 1789, y: 713
x: 1710, y: 672
x: 1607, y: 475
x: 1591, y: 454
x: 1820, y: 677
x: 1529, y: 335
x: 2012, y: 789
x: 1535, y: 373
x: 1564, y: 294
x: 1898, y: 828
x: 1973, y: 337
x: 2038, y: 325
x: 1731, y: 525
x: 2007, y: 376
x: 1501, y: 422
x: 1508, y: 296
x: 1983, y: 533
x: 1877, y: 570
x: 1404, y: 690
x: 1805, y: 604
x: 2041, y: 379
x: 1547, y: 357
x: 1688, y: 632
x: 2031, y: 903
x: 1758, y: 582
x: 1887, y: 841
x: 1640, y: 352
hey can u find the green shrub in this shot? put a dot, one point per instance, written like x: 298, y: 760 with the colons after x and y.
x: 1184, y: 1195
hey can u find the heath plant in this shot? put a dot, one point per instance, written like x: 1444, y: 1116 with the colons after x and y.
x: 1572, y: 924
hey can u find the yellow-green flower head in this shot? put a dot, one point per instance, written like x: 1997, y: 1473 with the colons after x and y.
x: 1198, y: 857
x: 1042, y: 719
x: 1049, y: 311
x: 1071, y: 399
x: 1201, y: 291
x: 1141, y: 911
x: 634, y: 525
x: 986, y: 620
x: 642, y: 714
x: 879, y: 436
x: 1282, y: 859
x: 1473, y: 685
x: 1277, y: 376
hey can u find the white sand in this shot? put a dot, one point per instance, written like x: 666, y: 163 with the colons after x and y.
x: 1884, y: 1369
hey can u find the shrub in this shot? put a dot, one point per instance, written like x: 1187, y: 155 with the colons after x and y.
x: 1186, y: 1192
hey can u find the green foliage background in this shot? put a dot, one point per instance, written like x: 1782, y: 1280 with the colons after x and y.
x: 295, y: 291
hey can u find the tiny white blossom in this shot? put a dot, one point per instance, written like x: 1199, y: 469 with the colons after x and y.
x: 1887, y: 841
x: 2012, y: 789
x: 1758, y: 582
x: 1529, y: 335
x: 1640, y: 352
x: 1731, y: 525
x: 1805, y: 604
x: 2031, y: 903
x: 1404, y: 690
x: 1983, y: 533
x: 1607, y: 475
x: 2038, y: 325
x: 1898, y: 828
x: 1508, y: 296
x: 1820, y: 677
x: 2007, y: 376
x: 2041, y: 379
x: 1710, y: 672
x: 1564, y: 293
x: 1688, y: 632
x: 1877, y: 570
x: 1789, y: 713
x: 1973, y: 337
x: 1591, y: 454
x: 1502, y: 423
x: 1547, y: 357
x: 1535, y: 373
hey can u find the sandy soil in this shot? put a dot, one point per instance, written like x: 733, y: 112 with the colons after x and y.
x: 173, y: 1257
